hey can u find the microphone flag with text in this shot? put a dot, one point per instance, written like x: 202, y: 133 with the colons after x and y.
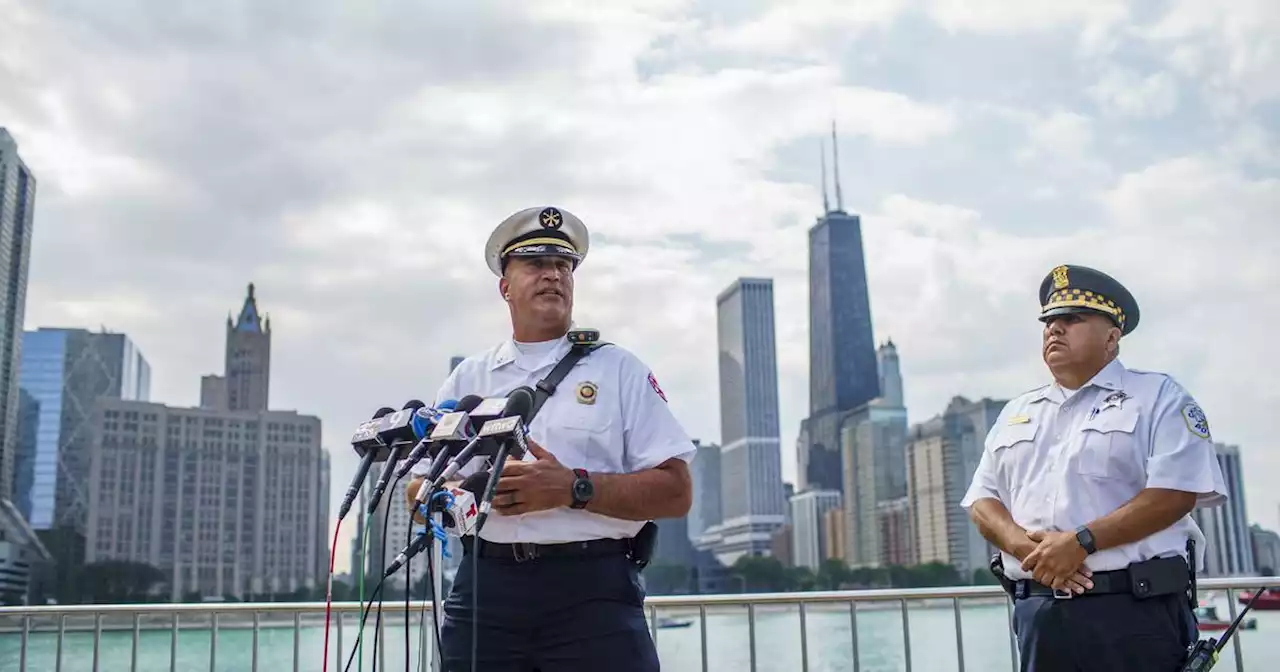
x: 492, y: 435
x: 398, y: 436
x: 368, y: 455
x: 510, y: 434
x: 433, y: 436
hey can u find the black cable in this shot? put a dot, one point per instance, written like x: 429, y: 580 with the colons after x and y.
x: 475, y: 592
x: 377, y: 622
x: 408, y: 584
x: 363, y: 619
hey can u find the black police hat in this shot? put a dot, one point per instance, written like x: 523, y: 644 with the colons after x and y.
x: 1080, y: 289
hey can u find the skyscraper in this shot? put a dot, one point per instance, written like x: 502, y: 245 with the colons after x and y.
x: 873, y: 452
x: 752, y: 501
x: 224, y: 500
x: 454, y: 361
x: 942, y: 455
x: 842, y: 354
x: 17, y: 207
x: 810, y: 540
x: 248, y: 362
x: 66, y: 371
x: 1228, y: 544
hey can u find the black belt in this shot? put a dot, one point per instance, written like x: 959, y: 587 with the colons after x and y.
x: 520, y: 552
x: 1150, y: 578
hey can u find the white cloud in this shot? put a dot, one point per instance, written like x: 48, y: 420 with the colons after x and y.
x: 1230, y: 47
x: 1124, y: 92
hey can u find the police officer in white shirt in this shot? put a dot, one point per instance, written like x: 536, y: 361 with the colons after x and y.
x: 1086, y: 486
x: 559, y: 588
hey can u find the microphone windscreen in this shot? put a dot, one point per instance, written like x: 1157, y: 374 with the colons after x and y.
x: 475, y: 483
x: 383, y: 412
x: 414, y: 404
x: 519, y: 402
x: 447, y: 405
x: 468, y: 403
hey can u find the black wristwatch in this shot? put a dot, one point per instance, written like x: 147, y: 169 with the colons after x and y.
x: 582, y: 489
x: 1085, y: 537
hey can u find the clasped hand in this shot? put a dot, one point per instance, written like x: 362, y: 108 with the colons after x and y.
x: 1057, y: 561
x: 526, y: 487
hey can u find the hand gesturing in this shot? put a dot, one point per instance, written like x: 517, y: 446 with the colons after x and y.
x: 526, y: 487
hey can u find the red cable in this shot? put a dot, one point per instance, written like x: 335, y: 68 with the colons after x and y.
x: 328, y: 598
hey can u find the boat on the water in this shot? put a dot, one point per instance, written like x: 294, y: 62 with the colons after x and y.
x: 664, y: 622
x: 1269, y: 600
x: 1208, y: 620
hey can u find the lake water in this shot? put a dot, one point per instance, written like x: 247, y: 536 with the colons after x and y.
x: 778, y: 642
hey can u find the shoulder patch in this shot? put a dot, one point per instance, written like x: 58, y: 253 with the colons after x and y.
x: 1196, y: 420
x: 653, y: 382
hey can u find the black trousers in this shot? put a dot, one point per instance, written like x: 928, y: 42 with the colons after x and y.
x: 558, y: 614
x: 1103, y: 633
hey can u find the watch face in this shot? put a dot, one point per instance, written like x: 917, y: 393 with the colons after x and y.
x: 582, y: 489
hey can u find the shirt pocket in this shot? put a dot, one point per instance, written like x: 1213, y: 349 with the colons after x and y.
x: 1012, y: 451
x: 1108, y: 445
x: 588, y: 431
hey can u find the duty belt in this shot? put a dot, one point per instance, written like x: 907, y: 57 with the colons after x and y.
x: 521, y: 552
x: 1150, y: 578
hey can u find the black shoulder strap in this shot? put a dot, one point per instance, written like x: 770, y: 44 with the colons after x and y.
x: 547, y: 386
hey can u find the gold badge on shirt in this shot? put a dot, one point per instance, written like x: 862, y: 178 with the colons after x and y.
x: 586, y: 392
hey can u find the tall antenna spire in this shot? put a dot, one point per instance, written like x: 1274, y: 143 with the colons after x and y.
x: 822, y: 151
x: 835, y: 159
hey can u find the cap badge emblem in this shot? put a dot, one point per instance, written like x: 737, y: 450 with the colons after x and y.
x: 1060, y: 277
x: 550, y: 218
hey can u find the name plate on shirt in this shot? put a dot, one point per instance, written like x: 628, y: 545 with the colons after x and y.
x: 490, y: 407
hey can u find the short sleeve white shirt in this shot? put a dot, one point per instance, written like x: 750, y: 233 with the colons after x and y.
x: 622, y: 426
x: 1059, y: 459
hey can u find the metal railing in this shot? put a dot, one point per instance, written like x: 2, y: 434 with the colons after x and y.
x: 341, y: 611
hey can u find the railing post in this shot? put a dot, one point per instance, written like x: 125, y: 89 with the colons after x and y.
x: 62, y: 631
x: 955, y: 605
x: 173, y: 645
x: 804, y: 641
x: 22, y: 650
x: 906, y: 634
x: 1235, y: 641
x: 751, y: 630
x: 213, y: 643
x: 1013, y: 637
x: 702, y: 613
x: 255, y: 642
x: 853, y: 630
x: 137, y: 633
x: 97, y: 638
x: 297, y: 630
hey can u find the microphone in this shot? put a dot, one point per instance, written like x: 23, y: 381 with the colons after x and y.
x: 397, y: 447
x: 519, y: 406
x: 459, y: 514
x: 519, y: 402
x: 424, y: 431
x: 367, y: 458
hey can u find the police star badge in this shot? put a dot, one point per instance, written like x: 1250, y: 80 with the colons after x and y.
x: 587, y: 392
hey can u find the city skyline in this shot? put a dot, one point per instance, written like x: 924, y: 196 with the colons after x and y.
x: 685, y: 137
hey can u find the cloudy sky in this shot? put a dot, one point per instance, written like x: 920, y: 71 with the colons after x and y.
x: 352, y: 159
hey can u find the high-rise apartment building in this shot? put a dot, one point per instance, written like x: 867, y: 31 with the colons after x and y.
x: 704, y: 472
x: 873, y: 455
x: 454, y: 361
x: 223, y: 499
x: 66, y: 371
x: 809, y: 537
x: 1266, y: 550
x: 752, y: 502
x: 1228, y: 544
x: 248, y: 362
x: 223, y: 502
x: 17, y: 210
x: 842, y: 354
x: 942, y: 456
